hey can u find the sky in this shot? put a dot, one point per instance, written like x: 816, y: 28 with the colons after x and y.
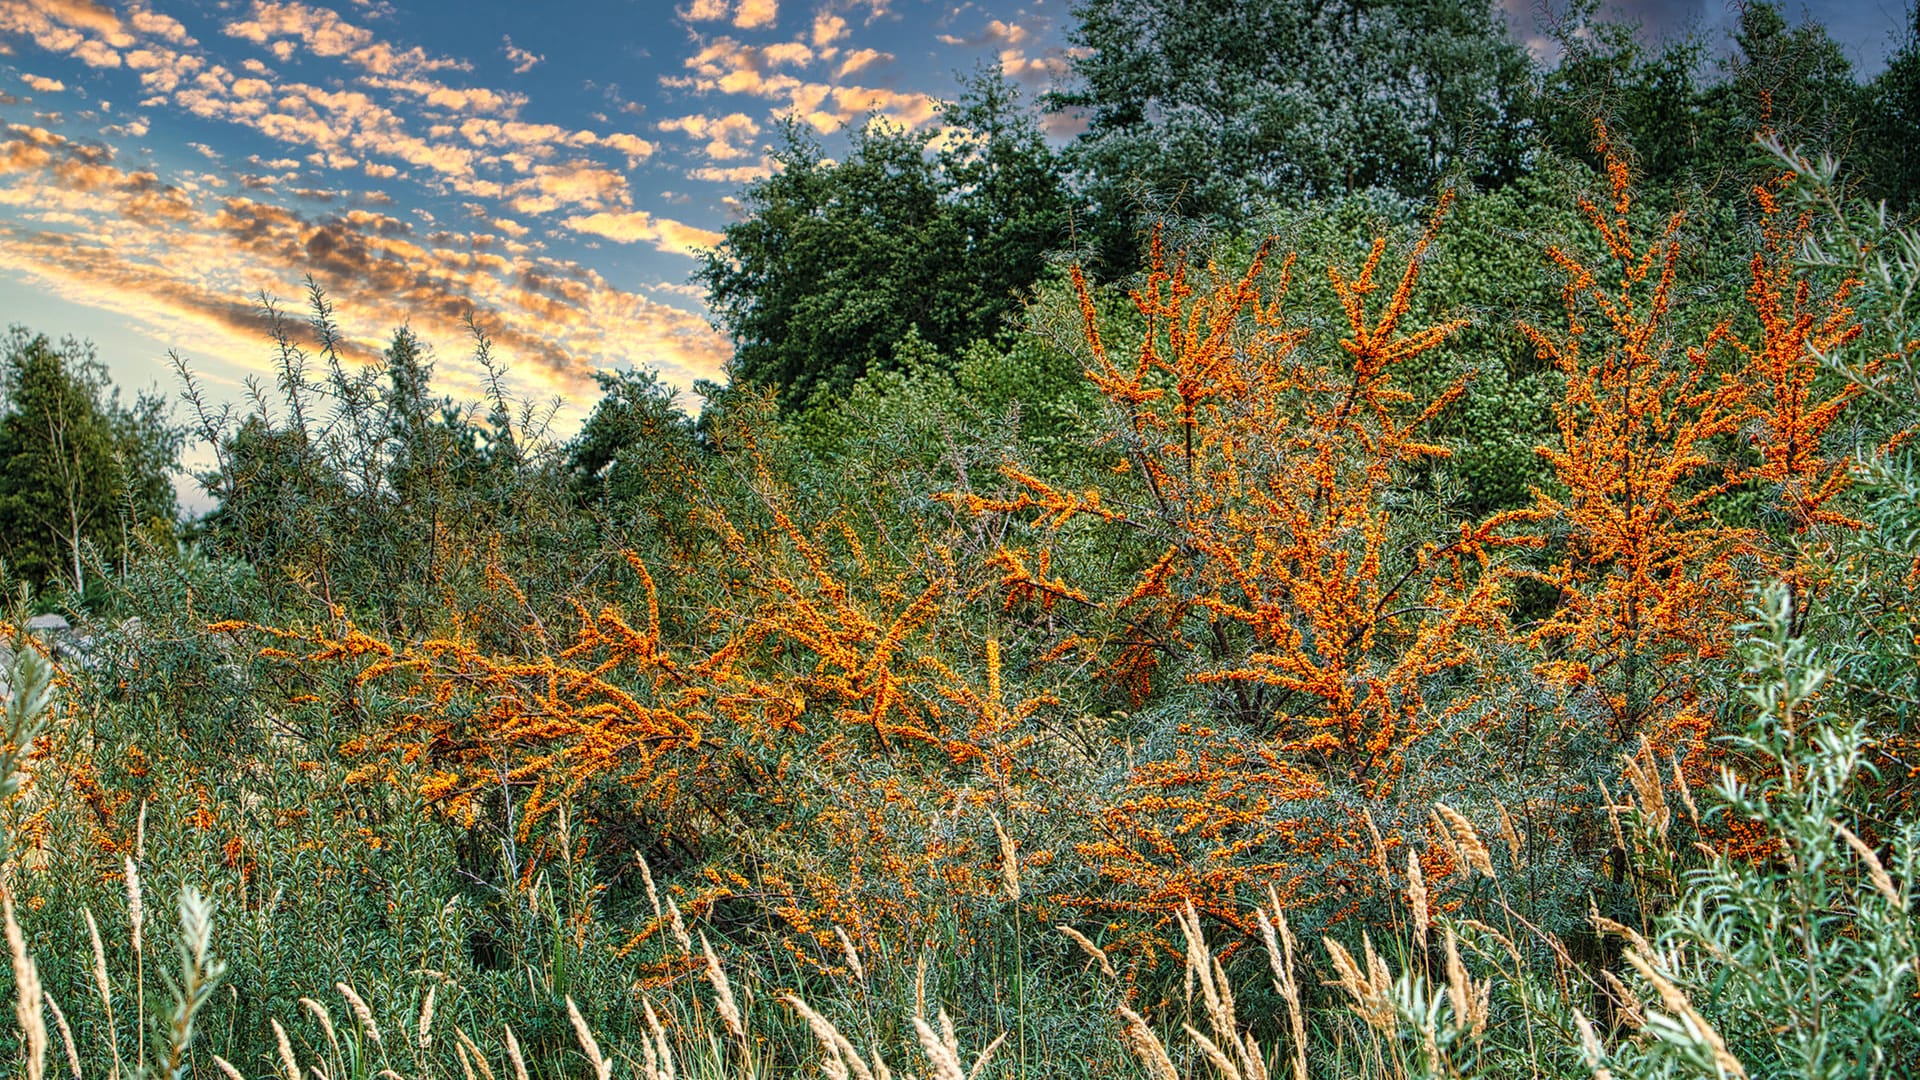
x: 549, y: 167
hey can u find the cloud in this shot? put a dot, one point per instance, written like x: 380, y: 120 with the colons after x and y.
x: 1062, y: 126
x: 634, y: 147
x: 723, y: 134
x: 1033, y: 71
x: 154, y: 24
x: 694, y: 292
x: 860, y: 60
x: 43, y: 85
x: 754, y: 14
x: 827, y: 29
x: 739, y: 174
x: 574, y: 183
x: 635, y: 226
x: 728, y: 66
x: 453, y: 99
x: 522, y: 60
x: 745, y: 14
x: 126, y: 241
x: 996, y: 33
x: 326, y: 34
x: 77, y: 28
x: 85, y: 14
x: 736, y: 68
x: 52, y: 173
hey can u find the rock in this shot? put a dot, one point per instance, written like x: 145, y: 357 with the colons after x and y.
x: 48, y: 624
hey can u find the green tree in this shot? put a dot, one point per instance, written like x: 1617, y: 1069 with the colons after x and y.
x: 1686, y: 125
x: 77, y: 465
x: 1891, y: 124
x: 1651, y: 100
x: 836, y: 262
x: 636, y: 449
x: 1227, y: 106
x: 1791, y: 82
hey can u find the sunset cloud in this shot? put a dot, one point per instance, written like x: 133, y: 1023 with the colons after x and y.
x: 1033, y: 71
x: 522, y: 60
x: 81, y: 29
x: 637, y: 226
x: 736, y: 175
x: 724, y: 134
x: 128, y: 240
x: 827, y: 29
x: 754, y: 14
x: 996, y: 33
x: 745, y: 14
x: 43, y: 85
x: 326, y: 34
x: 727, y: 66
x: 860, y: 60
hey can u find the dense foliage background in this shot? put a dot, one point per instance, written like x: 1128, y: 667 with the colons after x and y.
x: 1379, y: 557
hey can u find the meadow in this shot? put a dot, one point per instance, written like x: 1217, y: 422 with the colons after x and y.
x: 1447, y: 636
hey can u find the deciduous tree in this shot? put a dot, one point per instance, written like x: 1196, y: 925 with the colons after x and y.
x: 77, y: 466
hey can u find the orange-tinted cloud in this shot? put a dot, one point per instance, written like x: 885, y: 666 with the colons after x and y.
x: 727, y: 66
x: 326, y: 34
x: 745, y: 14
x: 522, y: 60
x: 123, y: 239
x: 639, y: 226
x: 724, y: 134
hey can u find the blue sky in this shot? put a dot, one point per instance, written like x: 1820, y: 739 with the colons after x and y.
x: 546, y: 165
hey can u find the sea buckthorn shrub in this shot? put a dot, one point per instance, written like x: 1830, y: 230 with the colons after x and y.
x: 1210, y: 657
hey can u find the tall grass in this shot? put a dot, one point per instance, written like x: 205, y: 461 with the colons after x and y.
x: 1802, y: 963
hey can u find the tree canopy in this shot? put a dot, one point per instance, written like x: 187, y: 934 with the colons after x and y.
x: 1224, y: 107
x: 78, y: 466
x: 836, y: 263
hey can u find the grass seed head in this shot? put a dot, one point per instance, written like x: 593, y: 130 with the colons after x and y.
x: 1876, y: 873
x: 1087, y: 946
x: 1147, y: 1046
x: 1467, y: 839
x: 27, y: 992
x: 1417, y: 899
x: 722, y: 993
x: 361, y: 1013
x: 514, y: 1059
x: 602, y: 1068
x: 289, y: 1065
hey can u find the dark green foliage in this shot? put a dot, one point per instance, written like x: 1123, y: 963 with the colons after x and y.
x: 1891, y: 128
x: 78, y: 467
x: 1217, y: 110
x: 633, y: 441
x: 1790, y: 82
x: 1651, y: 100
x: 1688, y: 127
x: 838, y: 261
x: 366, y: 475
